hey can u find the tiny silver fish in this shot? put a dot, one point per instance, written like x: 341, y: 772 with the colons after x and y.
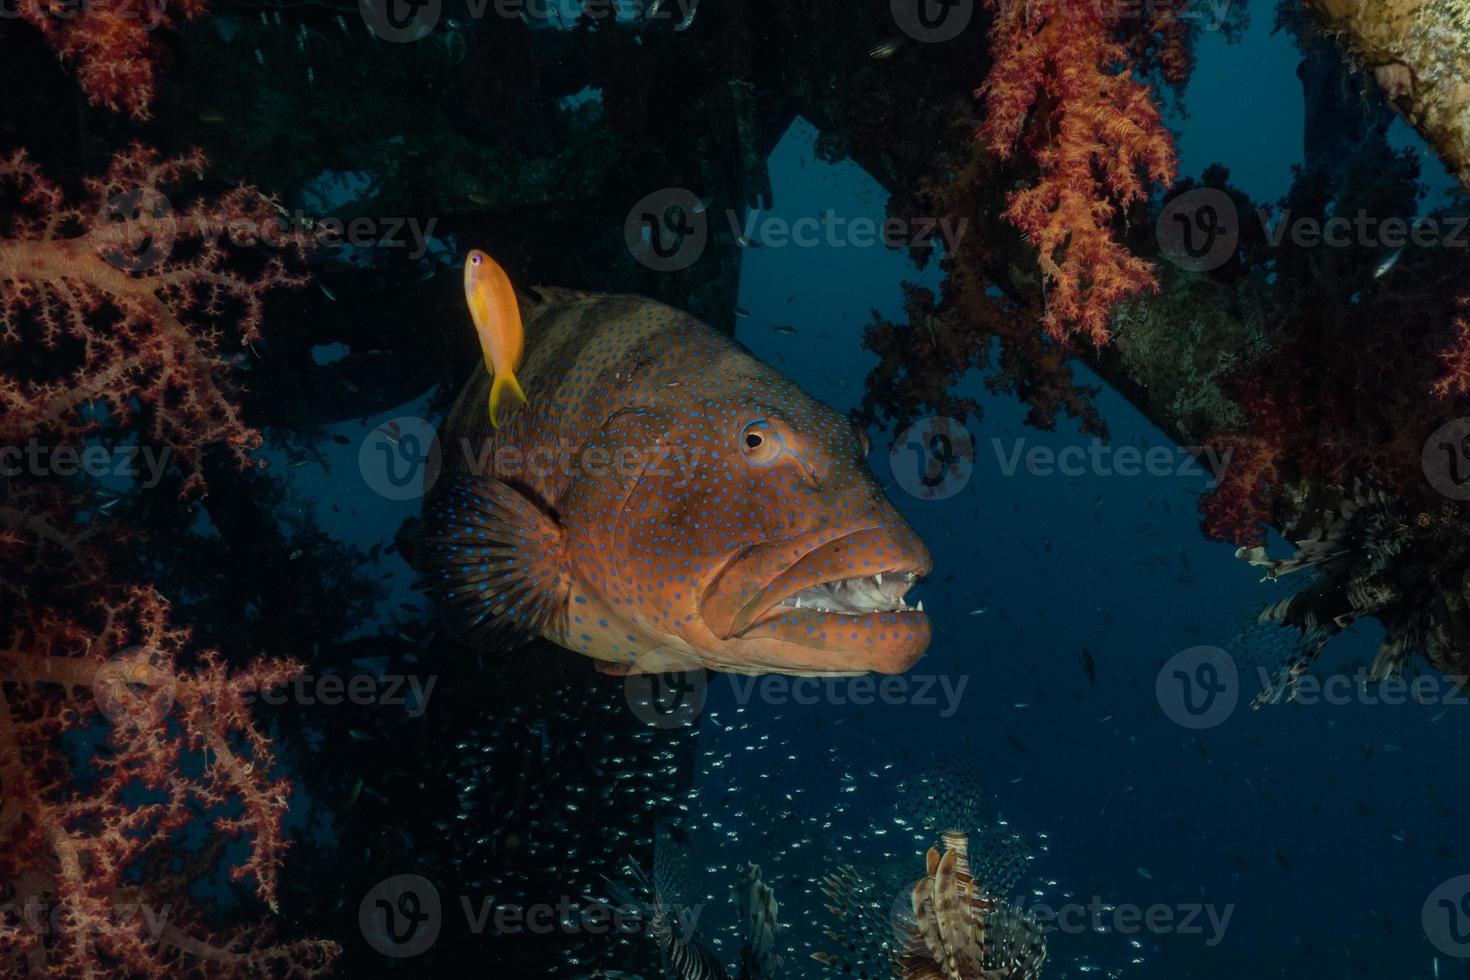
x: 1388, y: 262
x: 883, y: 49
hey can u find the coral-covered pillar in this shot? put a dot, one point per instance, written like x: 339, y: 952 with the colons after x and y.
x: 1419, y: 53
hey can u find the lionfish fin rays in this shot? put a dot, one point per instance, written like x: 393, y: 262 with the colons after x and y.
x: 960, y: 935
x: 670, y: 926
x: 866, y: 936
x: 925, y: 925
x: 755, y: 906
x: 495, y: 561
x: 959, y: 928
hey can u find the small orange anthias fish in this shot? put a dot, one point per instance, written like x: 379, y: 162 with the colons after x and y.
x: 492, y: 304
x: 667, y: 502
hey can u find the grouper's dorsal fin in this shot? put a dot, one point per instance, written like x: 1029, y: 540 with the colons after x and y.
x: 494, y: 559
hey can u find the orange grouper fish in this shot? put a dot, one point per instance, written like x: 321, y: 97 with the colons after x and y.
x: 666, y: 502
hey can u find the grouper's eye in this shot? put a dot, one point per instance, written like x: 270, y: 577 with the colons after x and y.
x: 759, y: 442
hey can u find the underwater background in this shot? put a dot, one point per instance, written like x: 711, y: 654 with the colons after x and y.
x: 1087, y: 696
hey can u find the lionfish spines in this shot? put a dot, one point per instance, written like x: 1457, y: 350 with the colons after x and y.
x: 960, y: 931
x: 948, y: 926
x: 945, y: 796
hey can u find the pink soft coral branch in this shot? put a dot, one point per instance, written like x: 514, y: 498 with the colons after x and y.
x: 141, y: 298
x: 68, y: 840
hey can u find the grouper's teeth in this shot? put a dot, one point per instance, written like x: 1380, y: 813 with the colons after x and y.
x: 855, y: 596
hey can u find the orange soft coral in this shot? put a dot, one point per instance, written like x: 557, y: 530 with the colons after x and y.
x: 118, y: 301
x: 1059, y: 84
x: 111, y: 43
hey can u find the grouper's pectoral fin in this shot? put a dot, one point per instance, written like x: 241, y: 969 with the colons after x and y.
x: 494, y: 559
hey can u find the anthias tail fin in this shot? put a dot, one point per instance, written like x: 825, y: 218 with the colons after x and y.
x: 503, y: 382
x: 494, y: 559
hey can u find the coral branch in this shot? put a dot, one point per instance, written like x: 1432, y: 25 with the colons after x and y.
x: 154, y: 749
x: 1058, y: 84
x: 128, y: 292
x: 1456, y: 359
x: 112, y: 44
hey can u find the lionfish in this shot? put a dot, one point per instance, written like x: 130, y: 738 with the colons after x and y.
x: 953, y: 925
x: 670, y: 922
x: 1371, y: 558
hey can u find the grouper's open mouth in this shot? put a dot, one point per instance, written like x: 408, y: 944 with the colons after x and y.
x: 844, y: 601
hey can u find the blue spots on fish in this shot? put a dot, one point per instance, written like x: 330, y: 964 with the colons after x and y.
x: 648, y: 543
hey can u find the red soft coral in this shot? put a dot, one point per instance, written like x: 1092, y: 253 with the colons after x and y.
x: 1456, y: 358
x: 122, y: 296
x: 112, y: 44
x: 1059, y: 83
